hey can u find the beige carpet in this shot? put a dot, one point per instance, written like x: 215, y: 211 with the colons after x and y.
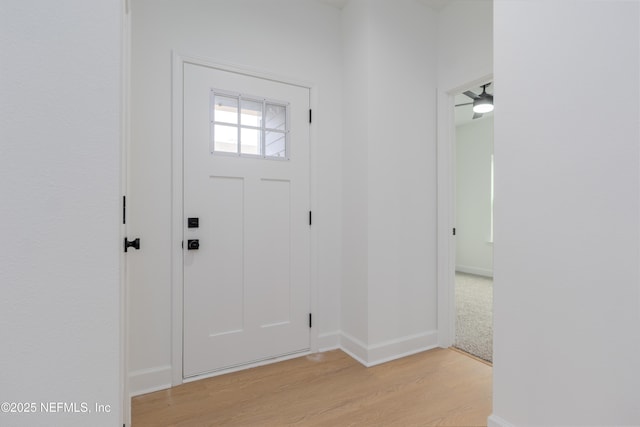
x: 474, y: 315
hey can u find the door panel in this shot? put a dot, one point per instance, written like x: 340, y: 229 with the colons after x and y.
x: 246, y: 288
x: 223, y: 302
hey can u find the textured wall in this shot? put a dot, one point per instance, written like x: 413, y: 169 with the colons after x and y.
x: 60, y: 70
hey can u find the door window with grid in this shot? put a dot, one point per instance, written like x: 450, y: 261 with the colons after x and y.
x: 249, y: 126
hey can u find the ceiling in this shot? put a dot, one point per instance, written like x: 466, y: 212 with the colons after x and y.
x: 434, y: 4
x: 464, y: 113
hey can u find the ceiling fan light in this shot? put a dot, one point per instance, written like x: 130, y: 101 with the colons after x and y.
x: 482, y: 105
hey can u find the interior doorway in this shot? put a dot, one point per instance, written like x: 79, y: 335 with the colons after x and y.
x: 473, y: 190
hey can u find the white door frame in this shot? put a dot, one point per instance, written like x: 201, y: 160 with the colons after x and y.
x: 177, y: 283
x: 446, y: 160
x: 125, y: 141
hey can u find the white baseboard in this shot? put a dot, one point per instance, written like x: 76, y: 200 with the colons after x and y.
x: 329, y: 341
x: 354, y: 348
x: 149, y: 380
x: 159, y: 378
x: 474, y: 270
x: 402, y: 347
x: 388, y: 350
x: 495, y: 421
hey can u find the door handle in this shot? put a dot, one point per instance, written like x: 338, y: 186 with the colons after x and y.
x: 193, y: 245
x: 131, y: 244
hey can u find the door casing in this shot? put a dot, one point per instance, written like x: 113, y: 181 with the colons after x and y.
x: 446, y: 196
x: 177, y: 283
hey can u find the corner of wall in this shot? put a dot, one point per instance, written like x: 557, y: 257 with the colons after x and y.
x: 371, y: 355
x: 401, y: 347
x: 328, y: 341
x: 354, y: 348
x: 149, y: 380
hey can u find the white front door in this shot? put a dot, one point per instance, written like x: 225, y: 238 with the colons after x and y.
x: 246, y: 180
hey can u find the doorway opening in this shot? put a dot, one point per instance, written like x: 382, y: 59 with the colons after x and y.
x: 473, y: 190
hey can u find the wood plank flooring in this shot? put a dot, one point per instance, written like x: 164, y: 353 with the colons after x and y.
x: 439, y: 387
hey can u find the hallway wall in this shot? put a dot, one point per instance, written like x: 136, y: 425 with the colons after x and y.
x: 389, y: 194
x: 60, y: 133
x: 566, y: 280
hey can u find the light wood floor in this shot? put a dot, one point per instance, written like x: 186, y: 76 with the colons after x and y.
x: 435, y: 388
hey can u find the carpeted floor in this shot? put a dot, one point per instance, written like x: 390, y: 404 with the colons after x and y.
x: 474, y: 315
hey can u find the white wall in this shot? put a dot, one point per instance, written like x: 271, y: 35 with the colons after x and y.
x: 356, y: 33
x: 60, y: 127
x: 297, y: 39
x: 567, y: 297
x: 474, y: 147
x: 465, y: 42
x: 389, y: 290
x: 402, y: 187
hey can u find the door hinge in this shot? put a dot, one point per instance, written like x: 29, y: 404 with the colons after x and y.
x: 310, y: 218
x: 310, y: 320
x: 124, y: 209
x: 309, y: 115
x: 454, y: 231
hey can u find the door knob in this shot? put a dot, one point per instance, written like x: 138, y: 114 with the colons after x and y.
x: 193, y: 244
x: 131, y: 244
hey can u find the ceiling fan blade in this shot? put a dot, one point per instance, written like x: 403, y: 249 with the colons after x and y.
x: 476, y: 115
x: 468, y: 103
x: 471, y: 94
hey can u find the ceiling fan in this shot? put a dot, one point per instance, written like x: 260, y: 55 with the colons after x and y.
x: 482, y: 103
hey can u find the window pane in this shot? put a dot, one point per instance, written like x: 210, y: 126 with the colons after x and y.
x: 225, y: 109
x: 275, y: 144
x: 225, y: 138
x: 251, y: 113
x: 250, y: 141
x: 276, y: 117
